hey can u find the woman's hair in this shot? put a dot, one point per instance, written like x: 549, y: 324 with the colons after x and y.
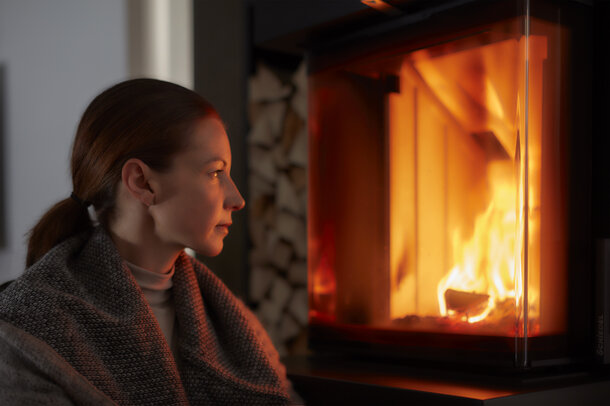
x: 147, y: 119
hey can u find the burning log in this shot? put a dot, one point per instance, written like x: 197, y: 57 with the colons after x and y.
x: 465, y: 302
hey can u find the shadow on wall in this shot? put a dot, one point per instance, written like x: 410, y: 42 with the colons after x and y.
x: 2, y: 157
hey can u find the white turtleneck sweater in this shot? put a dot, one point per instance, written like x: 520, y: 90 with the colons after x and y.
x: 157, y: 289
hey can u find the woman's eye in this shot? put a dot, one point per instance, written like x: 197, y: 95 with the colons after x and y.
x: 215, y: 174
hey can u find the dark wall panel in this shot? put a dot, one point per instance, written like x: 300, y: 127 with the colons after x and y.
x: 221, y: 54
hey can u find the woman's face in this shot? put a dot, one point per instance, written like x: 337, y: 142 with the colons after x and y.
x: 194, y: 200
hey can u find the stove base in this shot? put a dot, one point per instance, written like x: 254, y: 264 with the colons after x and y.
x: 322, y: 380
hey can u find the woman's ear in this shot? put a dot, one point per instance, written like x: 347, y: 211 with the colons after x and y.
x: 136, y: 176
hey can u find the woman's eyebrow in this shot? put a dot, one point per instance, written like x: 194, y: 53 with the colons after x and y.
x: 216, y: 159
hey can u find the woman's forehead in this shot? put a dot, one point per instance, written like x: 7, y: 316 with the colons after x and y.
x: 209, y: 141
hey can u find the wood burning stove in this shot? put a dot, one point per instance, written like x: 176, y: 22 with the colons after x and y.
x: 452, y: 198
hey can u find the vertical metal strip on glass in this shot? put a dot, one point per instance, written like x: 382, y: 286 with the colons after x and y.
x: 526, y: 191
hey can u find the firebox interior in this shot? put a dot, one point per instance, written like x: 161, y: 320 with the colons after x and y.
x: 438, y: 198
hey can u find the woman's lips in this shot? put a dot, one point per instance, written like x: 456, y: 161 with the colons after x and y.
x: 224, y: 227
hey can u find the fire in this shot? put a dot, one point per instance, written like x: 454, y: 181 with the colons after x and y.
x: 465, y: 189
x: 438, y: 194
x: 485, y: 264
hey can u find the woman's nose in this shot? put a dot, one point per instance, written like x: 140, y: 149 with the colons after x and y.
x: 234, y: 201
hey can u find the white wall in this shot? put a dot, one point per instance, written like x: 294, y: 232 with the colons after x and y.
x: 56, y: 56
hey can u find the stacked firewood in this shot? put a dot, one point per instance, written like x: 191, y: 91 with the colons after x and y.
x: 277, y: 148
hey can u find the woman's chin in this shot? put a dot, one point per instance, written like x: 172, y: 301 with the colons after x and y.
x: 209, y: 250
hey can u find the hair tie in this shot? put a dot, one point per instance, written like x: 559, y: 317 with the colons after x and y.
x: 78, y: 200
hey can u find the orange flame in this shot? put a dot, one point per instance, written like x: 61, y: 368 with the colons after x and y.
x: 474, y: 169
x: 456, y: 150
x: 485, y: 264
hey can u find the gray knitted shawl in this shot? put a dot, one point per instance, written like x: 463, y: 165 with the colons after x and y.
x: 82, y: 301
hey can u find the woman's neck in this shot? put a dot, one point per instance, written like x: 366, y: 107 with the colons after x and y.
x: 145, y: 252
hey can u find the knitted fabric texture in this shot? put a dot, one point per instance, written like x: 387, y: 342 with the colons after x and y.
x: 82, y: 301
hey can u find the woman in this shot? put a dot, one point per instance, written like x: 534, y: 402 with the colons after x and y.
x: 117, y: 313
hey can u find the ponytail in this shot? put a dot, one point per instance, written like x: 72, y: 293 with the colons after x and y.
x: 63, y: 220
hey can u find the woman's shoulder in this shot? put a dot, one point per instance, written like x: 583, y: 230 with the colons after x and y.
x: 57, y: 261
x: 52, y: 270
x: 32, y: 372
x: 58, y: 279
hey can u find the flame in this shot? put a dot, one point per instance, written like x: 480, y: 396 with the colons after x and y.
x: 473, y: 181
x: 456, y: 152
x: 485, y: 263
